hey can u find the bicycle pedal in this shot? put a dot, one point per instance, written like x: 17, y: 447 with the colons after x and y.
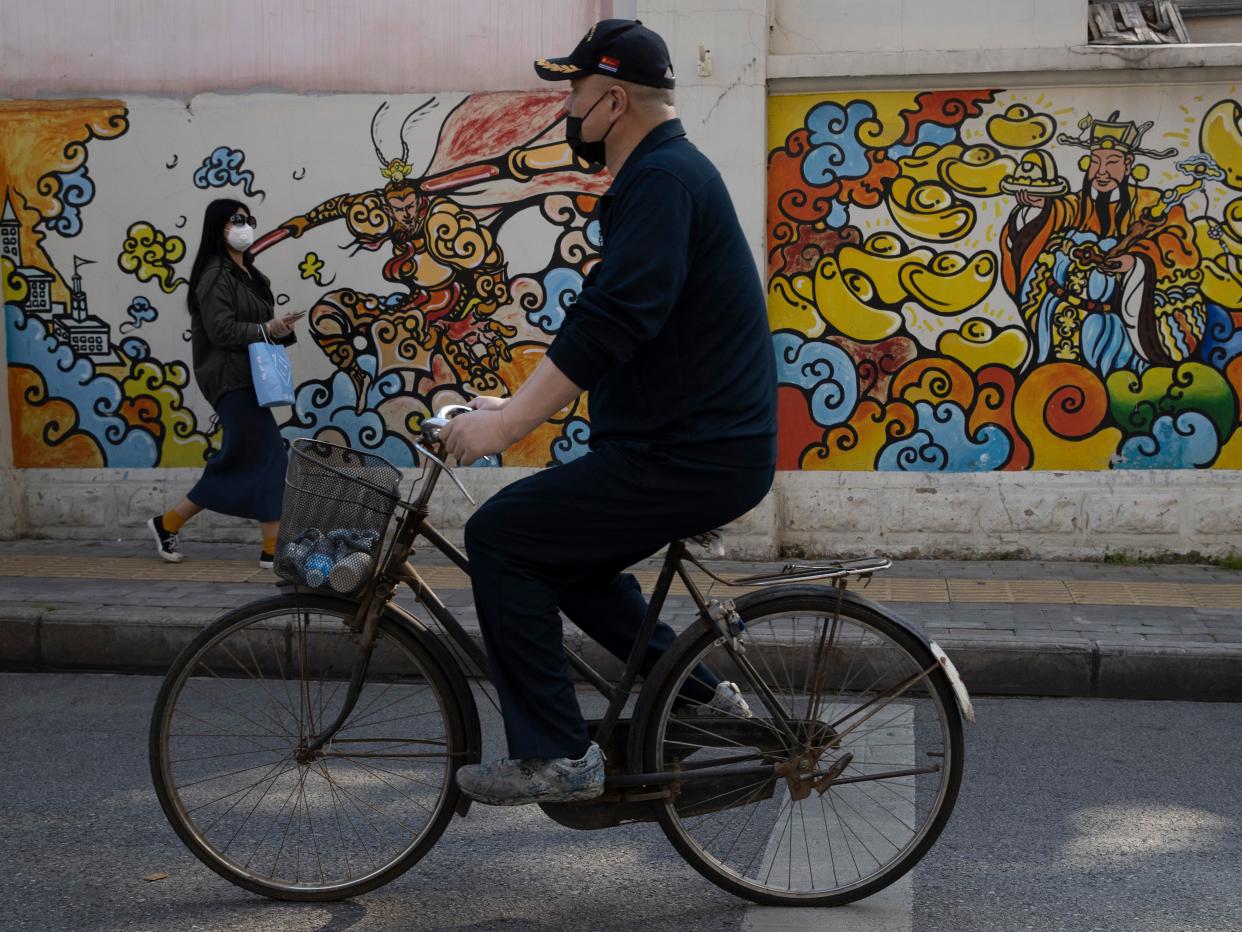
x: 821, y: 785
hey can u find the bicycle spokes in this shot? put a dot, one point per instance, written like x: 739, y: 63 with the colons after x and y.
x: 858, y: 768
x: 249, y: 777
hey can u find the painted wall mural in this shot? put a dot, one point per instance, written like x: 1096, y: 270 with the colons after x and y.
x: 957, y: 280
x: 439, y: 273
x: 990, y: 279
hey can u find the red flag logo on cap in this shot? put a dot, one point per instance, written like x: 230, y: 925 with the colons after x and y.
x: 609, y: 64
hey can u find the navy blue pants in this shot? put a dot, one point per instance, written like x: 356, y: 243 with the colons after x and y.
x: 246, y: 477
x: 560, y: 539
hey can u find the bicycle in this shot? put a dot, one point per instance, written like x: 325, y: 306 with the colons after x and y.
x: 304, y: 746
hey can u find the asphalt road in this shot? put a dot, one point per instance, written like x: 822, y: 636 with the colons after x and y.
x: 1074, y: 814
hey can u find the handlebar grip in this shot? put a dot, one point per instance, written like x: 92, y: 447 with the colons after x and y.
x: 432, y: 426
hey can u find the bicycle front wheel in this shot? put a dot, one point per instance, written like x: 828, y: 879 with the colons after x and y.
x: 840, y: 774
x: 229, y: 750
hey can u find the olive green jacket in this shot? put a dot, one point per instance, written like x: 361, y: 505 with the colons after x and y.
x: 229, y: 310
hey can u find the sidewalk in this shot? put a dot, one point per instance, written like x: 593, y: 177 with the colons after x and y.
x: 1012, y: 627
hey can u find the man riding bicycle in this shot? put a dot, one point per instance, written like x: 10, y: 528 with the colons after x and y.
x: 670, y: 337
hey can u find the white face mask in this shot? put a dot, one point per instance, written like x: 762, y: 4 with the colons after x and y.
x: 240, y: 238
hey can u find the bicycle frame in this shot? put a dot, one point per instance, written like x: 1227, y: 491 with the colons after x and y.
x: 719, y: 617
x: 681, y: 754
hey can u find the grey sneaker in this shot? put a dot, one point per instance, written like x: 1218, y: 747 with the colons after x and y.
x: 509, y: 782
x: 728, y: 701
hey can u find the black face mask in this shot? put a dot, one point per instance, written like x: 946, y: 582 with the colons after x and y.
x: 593, y: 152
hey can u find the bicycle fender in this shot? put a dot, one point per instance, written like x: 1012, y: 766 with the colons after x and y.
x: 964, y: 706
x: 646, y: 698
x: 848, y: 597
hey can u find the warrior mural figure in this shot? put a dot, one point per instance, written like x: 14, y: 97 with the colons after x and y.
x: 451, y: 273
x: 1109, y: 276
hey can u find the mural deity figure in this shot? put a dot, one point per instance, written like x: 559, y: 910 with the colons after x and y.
x: 1107, y: 277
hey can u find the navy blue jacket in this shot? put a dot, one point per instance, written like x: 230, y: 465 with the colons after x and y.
x: 670, y: 332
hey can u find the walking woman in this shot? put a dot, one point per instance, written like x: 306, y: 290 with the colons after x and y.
x: 231, y: 307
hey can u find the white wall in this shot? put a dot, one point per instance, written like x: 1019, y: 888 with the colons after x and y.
x: 844, y: 44
x: 724, y: 113
x: 808, y: 514
x: 187, y: 47
x: 179, y: 47
x: 800, y: 27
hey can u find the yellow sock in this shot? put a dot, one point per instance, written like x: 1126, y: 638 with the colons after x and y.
x: 172, y: 522
x: 269, y: 543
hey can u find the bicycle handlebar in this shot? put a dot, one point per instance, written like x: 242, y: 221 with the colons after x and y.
x: 432, y: 426
x: 430, y: 430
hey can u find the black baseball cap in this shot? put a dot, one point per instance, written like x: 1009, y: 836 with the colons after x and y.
x: 624, y: 49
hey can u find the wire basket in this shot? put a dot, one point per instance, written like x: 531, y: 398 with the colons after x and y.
x: 337, y: 507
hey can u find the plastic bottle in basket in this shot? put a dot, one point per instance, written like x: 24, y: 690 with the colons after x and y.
x: 317, y: 567
x: 351, y: 571
x: 292, y: 557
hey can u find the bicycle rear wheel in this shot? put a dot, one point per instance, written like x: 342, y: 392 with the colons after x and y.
x: 228, y: 750
x: 844, y: 798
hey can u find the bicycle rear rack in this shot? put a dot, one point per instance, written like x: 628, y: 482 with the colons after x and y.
x: 803, y: 572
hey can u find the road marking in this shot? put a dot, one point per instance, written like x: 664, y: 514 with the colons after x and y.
x: 891, y: 909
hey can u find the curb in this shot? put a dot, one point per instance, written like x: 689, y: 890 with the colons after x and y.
x: 109, y: 638
x: 1083, y: 668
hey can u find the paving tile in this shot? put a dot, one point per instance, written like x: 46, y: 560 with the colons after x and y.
x: 990, y: 601
x: 985, y: 634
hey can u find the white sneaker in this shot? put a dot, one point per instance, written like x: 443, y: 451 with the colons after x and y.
x: 728, y: 701
x: 165, y: 541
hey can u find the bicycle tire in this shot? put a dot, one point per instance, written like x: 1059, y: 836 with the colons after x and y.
x: 425, y: 668
x: 657, y: 710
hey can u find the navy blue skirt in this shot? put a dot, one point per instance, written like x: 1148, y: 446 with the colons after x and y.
x: 246, y: 478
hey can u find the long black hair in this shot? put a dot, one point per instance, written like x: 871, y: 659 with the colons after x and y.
x: 211, y: 246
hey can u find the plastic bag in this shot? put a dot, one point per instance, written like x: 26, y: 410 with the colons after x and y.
x: 272, y: 372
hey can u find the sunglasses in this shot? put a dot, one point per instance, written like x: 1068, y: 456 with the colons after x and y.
x: 241, y: 219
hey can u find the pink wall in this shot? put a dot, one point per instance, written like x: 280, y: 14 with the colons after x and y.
x: 185, y: 47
